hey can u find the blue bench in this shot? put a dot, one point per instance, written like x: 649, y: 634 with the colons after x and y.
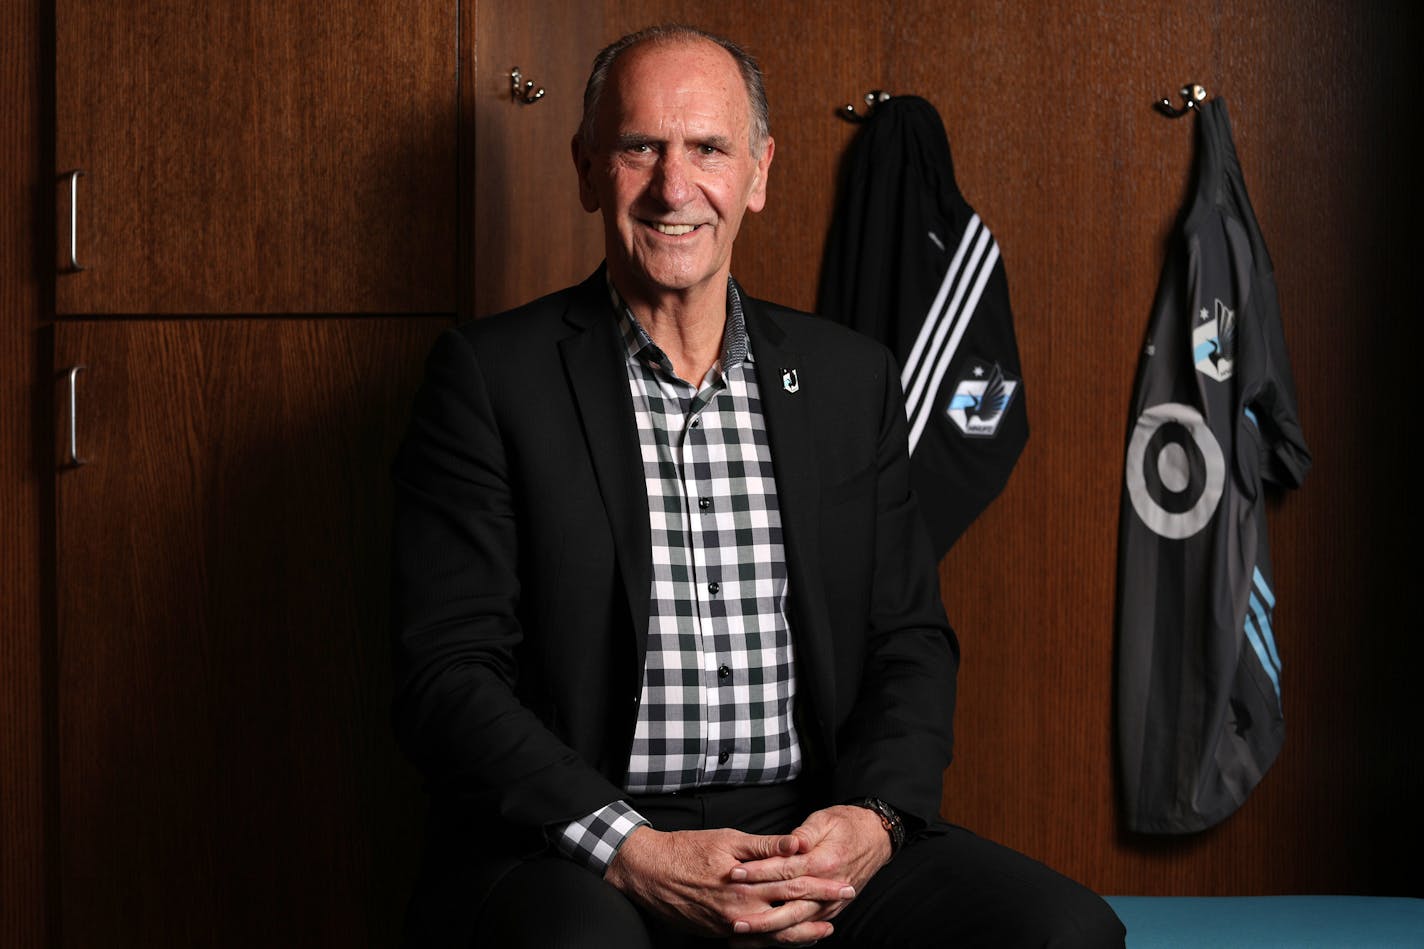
x: 1256, y: 922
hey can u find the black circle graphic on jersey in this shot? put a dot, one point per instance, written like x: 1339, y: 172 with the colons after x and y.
x: 1188, y: 451
x: 1184, y: 499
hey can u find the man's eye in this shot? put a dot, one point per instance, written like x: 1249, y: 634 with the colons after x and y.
x: 707, y: 149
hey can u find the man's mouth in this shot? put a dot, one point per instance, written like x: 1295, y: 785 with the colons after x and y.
x: 673, y: 230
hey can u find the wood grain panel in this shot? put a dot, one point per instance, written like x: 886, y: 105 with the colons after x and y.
x: 530, y: 236
x: 226, y: 771
x: 24, y: 824
x: 258, y: 158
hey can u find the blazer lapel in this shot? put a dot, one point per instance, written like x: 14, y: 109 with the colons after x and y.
x: 787, y: 381
x: 595, y: 367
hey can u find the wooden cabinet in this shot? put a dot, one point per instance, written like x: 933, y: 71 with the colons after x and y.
x: 226, y: 775
x: 252, y: 157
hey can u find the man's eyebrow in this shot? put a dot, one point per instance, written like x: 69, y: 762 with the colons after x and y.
x: 632, y: 139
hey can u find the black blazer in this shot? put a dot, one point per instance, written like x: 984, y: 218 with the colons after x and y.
x: 523, y: 567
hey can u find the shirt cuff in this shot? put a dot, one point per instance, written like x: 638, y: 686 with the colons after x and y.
x: 593, y: 840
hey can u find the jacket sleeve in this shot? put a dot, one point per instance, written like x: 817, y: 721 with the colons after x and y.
x: 898, y: 736
x: 456, y: 592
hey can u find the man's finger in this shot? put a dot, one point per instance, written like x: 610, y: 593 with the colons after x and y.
x: 749, y: 847
x: 813, y: 830
x: 801, y: 888
x: 778, y: 918
x: 802, y: 934
x: 773, y: 868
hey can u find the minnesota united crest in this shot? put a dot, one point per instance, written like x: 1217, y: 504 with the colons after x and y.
x: 980, y: 399
x: 1214, y: 342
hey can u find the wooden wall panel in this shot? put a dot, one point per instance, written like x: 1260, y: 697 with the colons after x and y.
x: 1055, y: 144
x: 529, y: 236
x: 24, y: 815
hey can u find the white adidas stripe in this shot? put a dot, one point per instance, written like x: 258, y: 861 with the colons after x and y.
x: 960, y: 321
x: 932, y: 318
x: 944, y: 325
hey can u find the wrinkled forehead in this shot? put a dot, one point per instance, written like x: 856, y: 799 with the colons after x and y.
x: 663, y: 70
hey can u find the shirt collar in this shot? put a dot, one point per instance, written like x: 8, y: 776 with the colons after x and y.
x: 736, y: 347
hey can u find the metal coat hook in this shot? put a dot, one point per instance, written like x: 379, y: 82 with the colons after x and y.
x: 525, y: 93
x: 872, y: 98
x: 1193, y: 95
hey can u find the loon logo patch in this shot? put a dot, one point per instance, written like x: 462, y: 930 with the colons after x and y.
x: 1214, y: 342
x: 980, y: 399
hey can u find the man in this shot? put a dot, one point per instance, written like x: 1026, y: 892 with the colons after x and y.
x: 670, y: 646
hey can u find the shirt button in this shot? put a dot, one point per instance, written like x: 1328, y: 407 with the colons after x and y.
x: 704, y: 504
x: 713, y: 587
x: 722, y: 758
x: 697, y: 422
x: 723, y: 671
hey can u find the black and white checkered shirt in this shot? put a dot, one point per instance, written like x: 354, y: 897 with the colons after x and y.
x: 718, y: 682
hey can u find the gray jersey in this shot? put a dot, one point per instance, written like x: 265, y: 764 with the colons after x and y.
x: 1213, y: 419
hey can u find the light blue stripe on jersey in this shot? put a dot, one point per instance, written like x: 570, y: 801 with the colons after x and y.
x: 1263, y: 589
x: 1252, y: 416
x: 1202, y: 352
x: 1253, y: 636
x: 1258, y: 629
x: 1263, y: 623
x: 1263, y: 616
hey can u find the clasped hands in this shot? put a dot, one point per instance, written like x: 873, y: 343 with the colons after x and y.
x: 759, y: 890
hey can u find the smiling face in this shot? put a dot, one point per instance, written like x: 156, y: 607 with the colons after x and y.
x: 673, y: 171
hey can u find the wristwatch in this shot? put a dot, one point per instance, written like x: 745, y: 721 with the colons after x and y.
x: 889, y: 819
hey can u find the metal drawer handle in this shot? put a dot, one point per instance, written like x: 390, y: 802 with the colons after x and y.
x: 74, y: 177
x: 74, y: 458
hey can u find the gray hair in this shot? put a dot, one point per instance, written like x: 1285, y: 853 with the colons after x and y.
x: 670, y: 33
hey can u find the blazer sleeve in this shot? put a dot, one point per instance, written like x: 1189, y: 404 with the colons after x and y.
x: 898, y: 736
x: 457, y: 710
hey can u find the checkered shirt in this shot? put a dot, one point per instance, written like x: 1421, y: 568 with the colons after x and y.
x: 718, y: 680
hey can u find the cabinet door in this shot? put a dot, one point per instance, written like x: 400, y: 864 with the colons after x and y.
x: 252, y: 157
x: 226, y: 772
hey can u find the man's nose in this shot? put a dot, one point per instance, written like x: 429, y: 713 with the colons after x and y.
x: 671, y: 182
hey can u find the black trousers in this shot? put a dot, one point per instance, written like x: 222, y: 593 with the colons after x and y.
x: 947, y: 887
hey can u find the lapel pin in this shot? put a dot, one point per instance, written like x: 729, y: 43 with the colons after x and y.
x: 789, y: 381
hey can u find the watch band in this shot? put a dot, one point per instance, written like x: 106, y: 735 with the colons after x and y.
x: 889, y: 819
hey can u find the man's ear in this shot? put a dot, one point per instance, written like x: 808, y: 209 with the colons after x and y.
x: 756, y: 200
x: 583, y: 164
